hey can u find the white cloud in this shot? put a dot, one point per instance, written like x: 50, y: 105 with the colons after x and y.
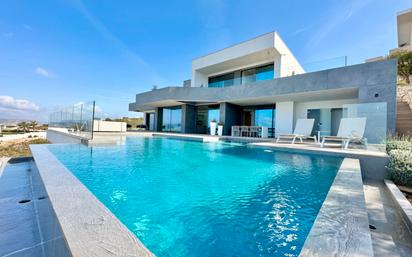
x: 43, y: 72
x: 8, y: 102
x: 88, y: 106
x: 21, y: 109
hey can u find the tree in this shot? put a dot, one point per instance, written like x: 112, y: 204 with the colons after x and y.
x: 33, y: 124
x: 404, y: 64
x: 24, y: 126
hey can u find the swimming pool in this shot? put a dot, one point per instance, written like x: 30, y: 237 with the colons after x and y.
x: 185, y: 198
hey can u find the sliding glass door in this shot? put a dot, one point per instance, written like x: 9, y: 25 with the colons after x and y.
x: 263, y: 116
x: 151, y: 121
x: 266, y: 118
x: 172, y: 119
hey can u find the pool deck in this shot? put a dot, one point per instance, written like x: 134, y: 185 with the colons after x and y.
x: 107, y: 137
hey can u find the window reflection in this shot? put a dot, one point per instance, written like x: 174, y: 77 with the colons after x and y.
x: 263, y: 118
x: 258, y: 74
x: 213, y: 114
x: 222, y: 80
x: 265, y: 72
x: 172, y: 119
x: 151, y: 121
x: 266, y: 118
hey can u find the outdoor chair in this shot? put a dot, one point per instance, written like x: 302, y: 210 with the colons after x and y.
x: 244, y: 131
x: 351, y: 130
x: 303, y: 129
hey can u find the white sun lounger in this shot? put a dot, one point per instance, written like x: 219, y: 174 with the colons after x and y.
x: 350, y: 130
x: 303, y: 129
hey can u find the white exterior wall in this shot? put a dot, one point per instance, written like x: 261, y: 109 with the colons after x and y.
x: 284, y: 117
x: 199, y: 79
x: 289, y: 65
x: 301, y: 108
x: 268, y: 48
x: 404, y: 22
x: 246, y: 48
x: 287, y: 113
x: 109, y: 126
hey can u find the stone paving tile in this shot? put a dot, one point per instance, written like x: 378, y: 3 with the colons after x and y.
x: 27, y: 229
x: 30, y: 252
x: 56, y: 247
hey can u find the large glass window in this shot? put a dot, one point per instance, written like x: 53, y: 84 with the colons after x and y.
x: 265, y: 72
x: 257, y: 74
x: 213, y: 114
x: 249, y: 76
x: 265, y: 118
x: 172, y: 119
x: 151, y: 121
x: 222, y: 80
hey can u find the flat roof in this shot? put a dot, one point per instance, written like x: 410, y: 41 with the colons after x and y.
x: 235, y: 44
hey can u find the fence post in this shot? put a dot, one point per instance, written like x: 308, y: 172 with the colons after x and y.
x: 94, y: 102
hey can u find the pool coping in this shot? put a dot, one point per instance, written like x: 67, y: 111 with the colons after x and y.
x: 401, y: 203
x: 91, y: 231
x: 341, y: 227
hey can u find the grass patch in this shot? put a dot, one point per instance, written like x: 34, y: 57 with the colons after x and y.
x: 20, y: 148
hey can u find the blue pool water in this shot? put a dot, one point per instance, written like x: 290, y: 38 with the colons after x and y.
x: 185, y: 198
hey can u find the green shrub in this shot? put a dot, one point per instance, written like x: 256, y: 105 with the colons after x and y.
x: 400, y: 167
x: 398, y: 143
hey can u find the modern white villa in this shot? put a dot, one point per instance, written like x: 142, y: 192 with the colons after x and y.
x: 259, y: 84
x: 230, y: 185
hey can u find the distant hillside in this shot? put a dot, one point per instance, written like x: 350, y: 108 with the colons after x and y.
x: 131, y: 122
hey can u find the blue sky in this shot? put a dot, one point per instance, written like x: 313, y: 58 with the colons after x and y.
x: 60, y: 52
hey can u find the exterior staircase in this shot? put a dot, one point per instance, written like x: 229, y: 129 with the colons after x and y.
x: 404, y: 110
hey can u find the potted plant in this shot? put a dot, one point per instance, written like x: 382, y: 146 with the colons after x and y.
x: 213, y: 127
x: 220, y: 128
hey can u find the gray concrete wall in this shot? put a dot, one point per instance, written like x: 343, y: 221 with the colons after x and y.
x: 158, y: 119
x: 188, y: 118
x: 374, y: 82
x: 230, y: 116
x: 374, y: 168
